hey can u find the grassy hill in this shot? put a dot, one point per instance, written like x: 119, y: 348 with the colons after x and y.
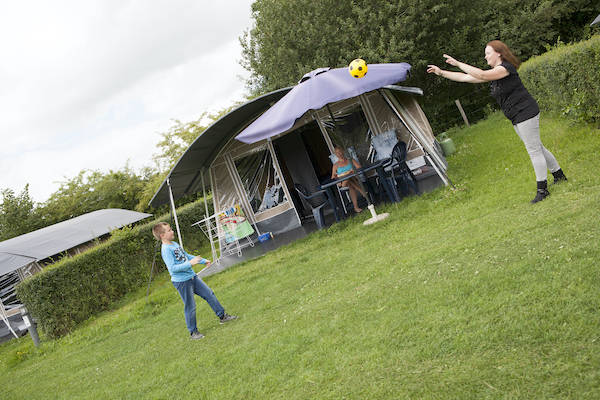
x: 469, y: 293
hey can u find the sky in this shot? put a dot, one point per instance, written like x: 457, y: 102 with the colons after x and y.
x: 92, y: 84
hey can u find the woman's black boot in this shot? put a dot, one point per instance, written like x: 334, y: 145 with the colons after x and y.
x: 559, y: 176
x: 542, y: 192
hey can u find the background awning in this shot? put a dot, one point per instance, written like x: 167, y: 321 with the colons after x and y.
x: 55, y: 239
x: 185, y: 175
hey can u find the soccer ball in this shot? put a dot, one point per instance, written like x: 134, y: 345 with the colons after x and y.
x: 358, y: 68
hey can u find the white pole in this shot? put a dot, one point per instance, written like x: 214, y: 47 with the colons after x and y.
x: 174, y: 212
x: 442, y: 176
x: 210, y: 236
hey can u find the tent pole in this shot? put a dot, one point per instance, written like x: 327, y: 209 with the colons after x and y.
x: 332, y: 117
x: 370, y: 114
x: 432, y: 153
x: 281, y: 178
x: 174, y: 213
x: 212, y: 245
x: 438, y: 170
x: 239, y: 187
x: 216, y: 205
x: 323, y: 132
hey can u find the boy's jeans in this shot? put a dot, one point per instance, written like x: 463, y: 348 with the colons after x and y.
x: 187, y: 290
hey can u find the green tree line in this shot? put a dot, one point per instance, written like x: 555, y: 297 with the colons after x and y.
x: 92, y: 190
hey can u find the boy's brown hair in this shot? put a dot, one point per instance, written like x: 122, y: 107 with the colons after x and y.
x: 158, y: 229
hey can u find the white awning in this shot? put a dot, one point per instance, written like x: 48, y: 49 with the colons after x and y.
x: 55, y: 239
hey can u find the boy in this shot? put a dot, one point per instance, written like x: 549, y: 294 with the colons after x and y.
x: 179, y: 263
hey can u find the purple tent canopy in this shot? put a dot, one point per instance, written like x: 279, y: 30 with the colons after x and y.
x: 315, y: 90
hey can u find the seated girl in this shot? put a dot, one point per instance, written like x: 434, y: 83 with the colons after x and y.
x: 342, y: 167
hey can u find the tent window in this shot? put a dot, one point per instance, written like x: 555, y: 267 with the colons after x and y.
x: 261, y: 182
x: 350, y: 129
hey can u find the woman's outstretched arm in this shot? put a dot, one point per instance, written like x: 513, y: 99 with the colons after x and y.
x: 498, y: 72
x: 453, y: 76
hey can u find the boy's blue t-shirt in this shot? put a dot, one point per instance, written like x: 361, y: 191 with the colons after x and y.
x: 178, y: 262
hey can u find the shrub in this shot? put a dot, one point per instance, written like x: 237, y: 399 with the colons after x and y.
x: 76, y: 288
x: 567, y: 79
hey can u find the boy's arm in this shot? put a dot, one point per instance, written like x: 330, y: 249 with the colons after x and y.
x: 169, y: 259
x: 201, y: 261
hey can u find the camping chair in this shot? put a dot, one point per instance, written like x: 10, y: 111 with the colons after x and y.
x: 400, y: 172
x: 383, y: 145
x: 315, y: 205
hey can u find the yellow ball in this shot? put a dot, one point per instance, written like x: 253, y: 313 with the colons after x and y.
x: 358, y: 68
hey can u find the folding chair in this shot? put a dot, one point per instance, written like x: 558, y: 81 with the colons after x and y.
x: 387, y: 145
x: 315, y: 204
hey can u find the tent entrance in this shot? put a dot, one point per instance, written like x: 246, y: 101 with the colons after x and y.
x: 304, y: 158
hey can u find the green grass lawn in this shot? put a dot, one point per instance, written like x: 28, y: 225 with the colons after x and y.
x: 470, y: 293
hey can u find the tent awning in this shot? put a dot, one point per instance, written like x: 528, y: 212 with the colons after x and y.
x: 185, y: 175
x: 54, y: 239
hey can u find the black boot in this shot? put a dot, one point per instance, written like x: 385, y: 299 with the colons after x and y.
x: 542, y: 192
x: 559, y: 176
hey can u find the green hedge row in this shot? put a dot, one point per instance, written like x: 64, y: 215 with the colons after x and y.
x: 72, y: 290
x: 567, y: 79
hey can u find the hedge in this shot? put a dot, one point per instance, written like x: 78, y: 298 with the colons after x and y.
x: 76, y: 288
x: 566, y: 79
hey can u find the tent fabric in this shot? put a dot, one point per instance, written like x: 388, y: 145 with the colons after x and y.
x: 596, y: 21
x: 322, y: 88
x: 11, y: 262
x: 54, y: 239
x: 185, y: 177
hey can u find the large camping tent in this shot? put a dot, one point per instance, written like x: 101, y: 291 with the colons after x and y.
x: 24, y: 255
x: 260, y: 176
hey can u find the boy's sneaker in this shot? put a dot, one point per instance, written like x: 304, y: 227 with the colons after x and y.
x: 196, y: 335
x: 226, y: 318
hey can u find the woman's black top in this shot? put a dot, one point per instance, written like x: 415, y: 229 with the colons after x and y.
x: 516, y: 102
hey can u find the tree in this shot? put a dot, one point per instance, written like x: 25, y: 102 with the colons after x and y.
x: 94, y: 190
x: 289, y: 39
x: 172, y: 146
x: 18, y: 214
x: 181, y: 135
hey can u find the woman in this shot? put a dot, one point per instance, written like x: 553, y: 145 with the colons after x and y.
x: 342, y: 167
x: 516, y: 103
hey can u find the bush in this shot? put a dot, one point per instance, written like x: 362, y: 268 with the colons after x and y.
x: 567, y: 79
x: 74, y: 289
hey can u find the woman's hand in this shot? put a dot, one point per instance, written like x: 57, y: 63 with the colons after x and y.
x: 450, y: 60
x: 434, y: 69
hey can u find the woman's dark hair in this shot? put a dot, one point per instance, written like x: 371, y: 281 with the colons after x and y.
x: 505, y: 52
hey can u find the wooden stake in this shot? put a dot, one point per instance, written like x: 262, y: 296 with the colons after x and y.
x: 462, y: 112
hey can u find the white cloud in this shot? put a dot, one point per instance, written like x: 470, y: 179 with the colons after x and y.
x: 90, y: 84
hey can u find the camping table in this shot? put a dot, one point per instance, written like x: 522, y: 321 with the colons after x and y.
x: 378, y: 166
